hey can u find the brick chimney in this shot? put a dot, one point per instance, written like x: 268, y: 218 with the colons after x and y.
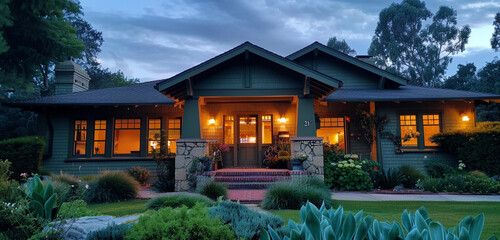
x: 70, y: 78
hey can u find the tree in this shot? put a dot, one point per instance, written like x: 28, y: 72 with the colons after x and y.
x: 92, y: 40
x: 401, y: 43
x: 495, y: 37
x: 4, y: 21
x: 464, y: 79
x: 38, y: 37
x: 341, y: 46
x: 104, y: 78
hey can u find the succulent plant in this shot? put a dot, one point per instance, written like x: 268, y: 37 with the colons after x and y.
x: 42, y: 199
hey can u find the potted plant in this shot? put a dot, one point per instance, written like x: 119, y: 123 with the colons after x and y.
x: 283, y: 159
x: 298, y: 160
x: 206, y: 162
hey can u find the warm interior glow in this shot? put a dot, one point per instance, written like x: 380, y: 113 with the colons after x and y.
x: 332, y: 135
x: 127, y: 136
x: 282, y: 120
x: 267, y: 131
x: 465, y: 118
x: 211, y: 121
x: 248, y: 130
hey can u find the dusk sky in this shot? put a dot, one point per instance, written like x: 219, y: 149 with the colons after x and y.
x: 153, y: 39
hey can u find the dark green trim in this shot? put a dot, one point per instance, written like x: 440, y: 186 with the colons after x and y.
x: 344, y: 57
x: 248, y: 92
x: 247, y: 46
x: 191, y: 120
x: 306, y: 121
x: 110, y: 159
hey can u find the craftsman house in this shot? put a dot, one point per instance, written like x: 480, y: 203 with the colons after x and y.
x: 248, y: 98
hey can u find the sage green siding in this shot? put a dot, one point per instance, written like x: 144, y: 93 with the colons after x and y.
x: 253, y: 77
x: 61, y: 160
x: 350, y: 75
x: 450, y: 119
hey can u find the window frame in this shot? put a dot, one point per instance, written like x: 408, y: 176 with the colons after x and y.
x: 156, y: 129
x: 106, y: 137
x: 87, y: 138
x: 420, y: 128
x: 141, y: 136
x: 345, y: 126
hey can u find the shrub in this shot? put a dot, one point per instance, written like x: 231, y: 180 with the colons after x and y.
x: 25, y: 153
x: 461, y: 184
x: 478, y: 174
x: 111, y: 187
x: 347, y: 174
x: 42, y: 199
x: 180, y: 223
x: 89, y: 178
x: 75, y: 209
x: 477, y: 147
x: 177, y: 200
x: 323, y: 223
x: 389, y: 179
x: 439, y: 169
x: 16, y: 221
x: 294, y: 193
x: 141, y: 175
x: 68, y: 187
x: 111, y: 232
x: 214, y: 190
x: 246, y: 223
x: 412, y: 175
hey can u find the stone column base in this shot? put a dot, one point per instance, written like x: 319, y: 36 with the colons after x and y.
x: 187, y: 150
x: 312, y: 147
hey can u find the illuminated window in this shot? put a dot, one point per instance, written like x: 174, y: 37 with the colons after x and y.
x: 154, y: 130
x: 431, y: 127
x: 100, y: 137
x: 409, y: 133
x: 228, y: 129
x: 267, y: 129
x: 80, y: 138
x: 332, y: 130
x: 127, y: 136
x: 417, y: 129
x: 174, y: 133
x: 248, y: 129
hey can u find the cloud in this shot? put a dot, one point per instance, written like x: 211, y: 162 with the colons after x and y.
x: 156, y: 40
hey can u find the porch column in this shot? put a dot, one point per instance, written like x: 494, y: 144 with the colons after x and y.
x: 306, y: 124
x: 313, y: 148
x: 187, y: 150
x: 191, y: 119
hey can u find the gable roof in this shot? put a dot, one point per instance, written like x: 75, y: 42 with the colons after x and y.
x: 406, y: 93
x: 247, y: 46
x: 346, y: 58
x: 136, y: 94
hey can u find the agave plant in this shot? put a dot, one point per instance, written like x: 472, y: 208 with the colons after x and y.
x: 42, y: 199
x: 322, y: 224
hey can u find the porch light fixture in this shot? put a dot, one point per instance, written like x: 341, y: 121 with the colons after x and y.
x: 464, y: 117
x: 211, y: 121
x: 282, y: 120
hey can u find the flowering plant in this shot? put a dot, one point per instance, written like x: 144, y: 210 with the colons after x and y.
x: 348, y: 173
x: 461, y: 165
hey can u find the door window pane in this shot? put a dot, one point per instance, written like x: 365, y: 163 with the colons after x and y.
x: 409, y: 135
x: 431, y: 127
x: 228, y: 129
x: 127, y: 136
x: 100, y: 137
x: 332, y: 135
x: 248, y: 129
x: 80, y: 138
x: 267, y: 129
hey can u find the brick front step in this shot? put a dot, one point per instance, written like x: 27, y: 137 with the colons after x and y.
x: 250, y: 178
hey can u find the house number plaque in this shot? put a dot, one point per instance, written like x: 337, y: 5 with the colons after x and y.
x: 307, y: 123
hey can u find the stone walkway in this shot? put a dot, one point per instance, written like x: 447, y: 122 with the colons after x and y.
x: 256, y: 196
x: 367, y: 196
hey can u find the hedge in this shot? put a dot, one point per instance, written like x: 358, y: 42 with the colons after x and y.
x: 25, y: 153
x: 476, y: 147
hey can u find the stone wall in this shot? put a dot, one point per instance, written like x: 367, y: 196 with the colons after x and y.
x: 312, y: 147
x: 187, y: 150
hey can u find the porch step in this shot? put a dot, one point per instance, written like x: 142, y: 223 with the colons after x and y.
x: 250, y: 178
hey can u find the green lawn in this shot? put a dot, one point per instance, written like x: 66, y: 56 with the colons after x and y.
x: 448, y: 213
x: 119, y: 209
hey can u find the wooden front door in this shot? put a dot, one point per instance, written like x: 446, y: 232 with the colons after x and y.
x: 247, y: 139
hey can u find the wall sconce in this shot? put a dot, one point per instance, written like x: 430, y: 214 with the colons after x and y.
x: 282, y: 120
x: 211, y: 121
x: 464, y: 117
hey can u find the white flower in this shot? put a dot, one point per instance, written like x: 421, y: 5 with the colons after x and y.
x: 340, y: 165
x: 87, y: 186
x: 355, y: 156
x: 358, y: 166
